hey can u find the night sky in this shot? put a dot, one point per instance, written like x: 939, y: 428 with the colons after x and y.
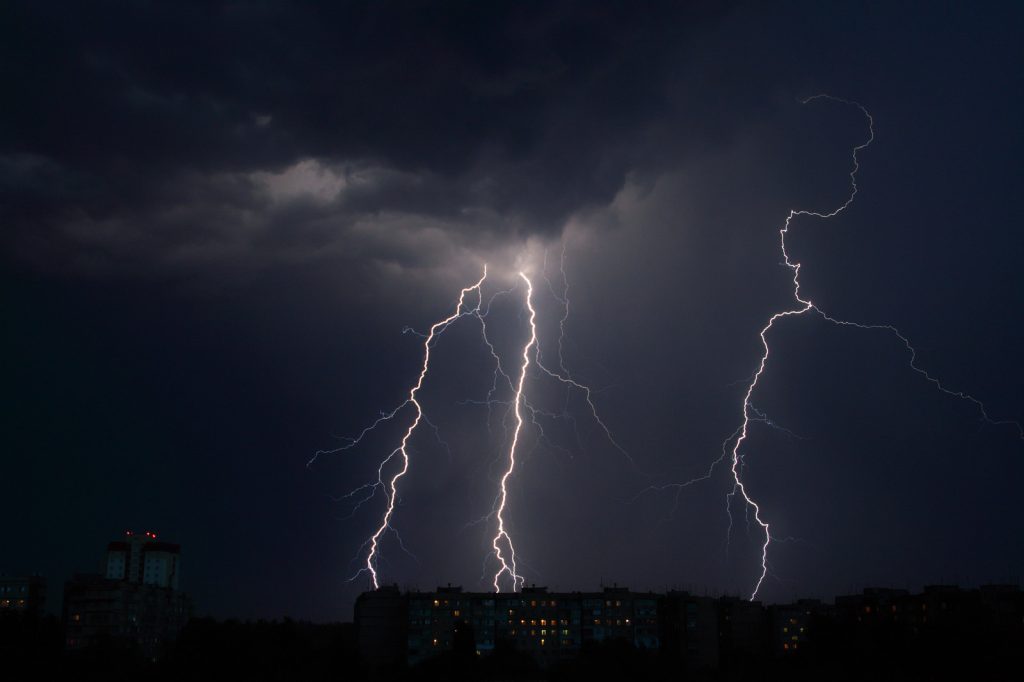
x: 217, y: 218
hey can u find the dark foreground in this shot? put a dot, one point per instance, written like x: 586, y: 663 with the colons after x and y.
x: 32, y: 649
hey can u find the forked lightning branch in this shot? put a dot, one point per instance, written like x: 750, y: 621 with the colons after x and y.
x: 470, y: 306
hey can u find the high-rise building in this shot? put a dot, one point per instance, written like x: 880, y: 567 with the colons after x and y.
x: 135, y: 599
x: 141, y: 558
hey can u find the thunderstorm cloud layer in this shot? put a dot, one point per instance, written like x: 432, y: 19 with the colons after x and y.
x: 217, y: 220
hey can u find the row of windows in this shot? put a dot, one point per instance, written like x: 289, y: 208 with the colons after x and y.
x: 545, y: 603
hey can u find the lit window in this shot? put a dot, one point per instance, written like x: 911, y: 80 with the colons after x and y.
x: 542, y: 642
x: 533, y: 603
x: 456, y: 613
x: 437, y: 603
x: 786, y: 630
x: 543, y: 621
x: 544, y: 633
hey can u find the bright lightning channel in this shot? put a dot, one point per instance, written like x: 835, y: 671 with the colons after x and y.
x: 391, y: 486
x: 751, y: 415
x: 508, y: 563
x: 520, y: 404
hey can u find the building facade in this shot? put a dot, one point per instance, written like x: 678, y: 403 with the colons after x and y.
x: 688, y: 632
x: 135, y: 600
x: 548, y: 626
x: 22, y: 594
x: 141, y: 558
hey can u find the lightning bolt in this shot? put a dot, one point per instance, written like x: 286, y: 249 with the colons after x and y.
x: 508, y: 563
x: 802, y: 306
x: 390, y: 485
x: 522, y: 409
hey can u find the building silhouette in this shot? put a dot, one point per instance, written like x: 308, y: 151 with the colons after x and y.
x: 134, y: 602
x: 698, y: 634
x: 142, y: 559
x: 22, y: 594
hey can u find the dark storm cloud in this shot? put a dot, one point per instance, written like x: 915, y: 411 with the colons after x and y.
x: 488, y: 117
